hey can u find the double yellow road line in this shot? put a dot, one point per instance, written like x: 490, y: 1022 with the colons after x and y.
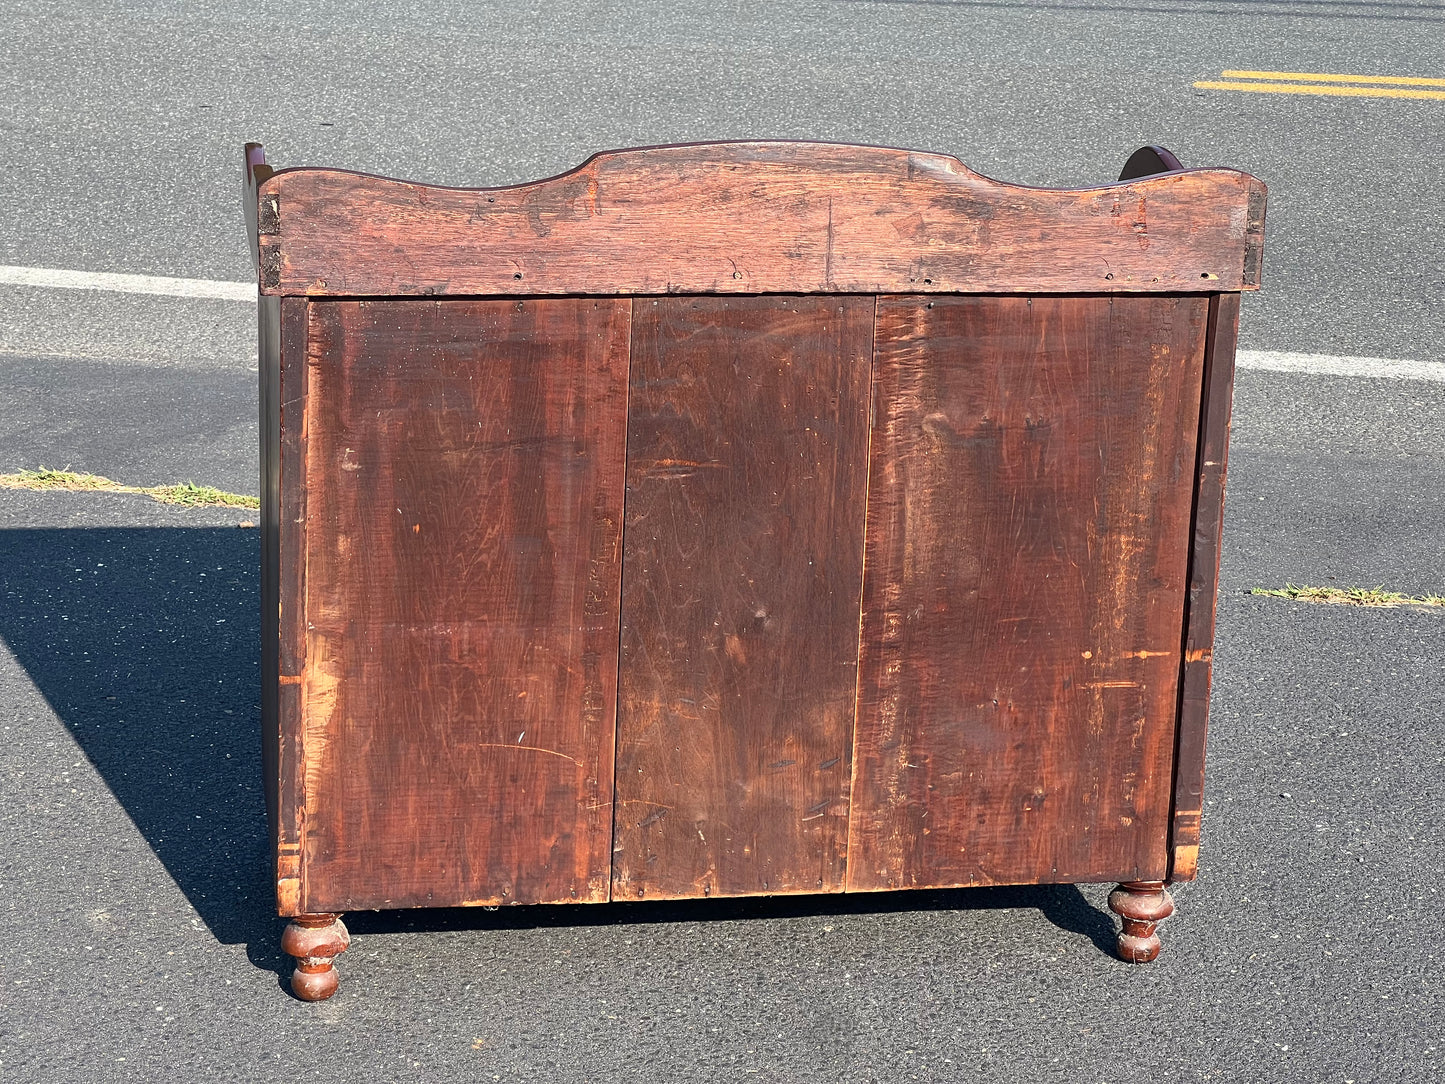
x: 1358, y: 86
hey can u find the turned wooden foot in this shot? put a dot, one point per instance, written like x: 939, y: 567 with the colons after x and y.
x: 315, y: 941
x: 1142, y: 905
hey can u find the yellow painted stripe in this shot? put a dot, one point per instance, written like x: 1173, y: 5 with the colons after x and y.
x: 1301, y: 88
x: 1318, y: 77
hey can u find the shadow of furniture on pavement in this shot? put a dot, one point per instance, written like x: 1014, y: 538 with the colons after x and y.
x: 1064, y: 905
x: 145, y: 642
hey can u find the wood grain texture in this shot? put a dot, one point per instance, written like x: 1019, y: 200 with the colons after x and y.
x: 748, y: 218
x: 268, y: 320
x: 747, y: 467
x: 1028, y: 534
x: 465, y: 476
x: 289, y: 489
x: 1203, y: 585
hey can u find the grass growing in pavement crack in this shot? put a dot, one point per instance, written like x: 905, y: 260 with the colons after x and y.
x: 1349, y: 596
x: 190, y: 493
x: 186, y: 493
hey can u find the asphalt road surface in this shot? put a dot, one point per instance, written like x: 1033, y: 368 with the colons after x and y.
x: 136, y: 916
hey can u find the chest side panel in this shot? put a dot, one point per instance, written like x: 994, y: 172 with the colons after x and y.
x: 1032, y: 472
x: 464, y: 515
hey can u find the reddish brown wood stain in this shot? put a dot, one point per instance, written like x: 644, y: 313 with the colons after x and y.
x: 992, y: 393
x: 465, y: 501
x: 1203, y: 586
x: 286, y: 469
x: 747, y: 462
x: 748, y: 218
x: 1027, y: 548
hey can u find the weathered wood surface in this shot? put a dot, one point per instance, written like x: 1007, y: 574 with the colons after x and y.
x: 1025, y: 697
x: 746, y: 475
x: 254, y: 171
x: 268, y: 320
x: 1028, y: 532
x: 315, y: 941
x: 1141, y: 905
x: 465, y: 473
x: 748, y: 218
x: 1203, y: 586
x: 289, y: 521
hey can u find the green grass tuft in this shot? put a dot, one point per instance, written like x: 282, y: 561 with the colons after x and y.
x: 45, y: 478
x: 186, y: 493
x: 1349, y: 596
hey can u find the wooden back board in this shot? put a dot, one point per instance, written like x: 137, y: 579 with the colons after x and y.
x: 740, y: 518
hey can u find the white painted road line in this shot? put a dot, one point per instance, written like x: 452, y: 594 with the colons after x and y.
x: 55, y: 278
x: 1330, y: 365
x: 1278, y: 361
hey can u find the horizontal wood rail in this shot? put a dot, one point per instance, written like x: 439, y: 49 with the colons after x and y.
x: 750, y: 218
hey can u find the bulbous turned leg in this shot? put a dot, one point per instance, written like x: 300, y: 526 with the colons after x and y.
x: 315, y: 941
x: 1142, y: 905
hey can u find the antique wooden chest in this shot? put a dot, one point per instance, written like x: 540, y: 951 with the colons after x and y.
x: 736, y: 519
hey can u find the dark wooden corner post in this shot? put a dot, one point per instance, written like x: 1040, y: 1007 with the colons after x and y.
x: 1142, y: 905
x: 315, y: 940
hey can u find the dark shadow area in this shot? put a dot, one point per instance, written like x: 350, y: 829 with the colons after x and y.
x: 1290, y: 9
x: 1063, y: 905
x: 145, y: 641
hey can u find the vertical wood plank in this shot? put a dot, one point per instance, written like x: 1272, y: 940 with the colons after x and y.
x: 1203, y: 585
x: 268, y: 320
x: 286, y: 531
x: 465, y: 473
x: 746, y: 482
x: 1028, y: 523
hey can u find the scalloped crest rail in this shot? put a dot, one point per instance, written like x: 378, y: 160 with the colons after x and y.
x: 739, y: 518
